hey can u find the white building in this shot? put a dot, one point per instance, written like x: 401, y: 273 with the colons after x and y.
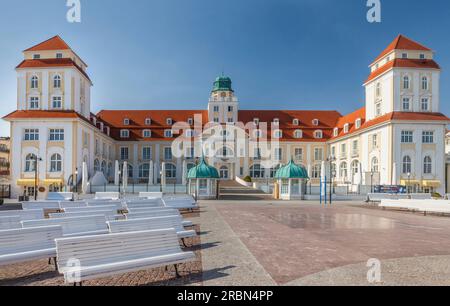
x: 396, y: 138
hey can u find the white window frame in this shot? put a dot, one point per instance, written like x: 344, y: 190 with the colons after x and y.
x: 168, y: 153
x: 318, y: 134
x: 56, y: 135
x: 147, y: 155
x: 31, y: 134
x: 124, y: 134
x: 168, y: 134
x: 146, y: 133
x: 407, y: 137
x: 57, y: 99
x: 124, y: 153
x: 34, y: 102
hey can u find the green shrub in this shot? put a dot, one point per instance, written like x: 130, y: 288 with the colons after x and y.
x: 247, y: 179
x: 436, y: 195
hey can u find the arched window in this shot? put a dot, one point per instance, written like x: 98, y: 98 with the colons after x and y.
x: 424, y: 83
x: 406, y: 165
x: 103, y: 168
x: 316, y: 171
x: 256, y: 171
x: 57, y: 81
x: 343, y: 170
x: 427, y: 165
x: 273, y: 171
x: 34, y: 82
x: 355, y: 167
x: 171, y: 171
x: 30, y: 163
x: 96, y: 165
x: 406, y: 82
x: 375, y: 165
x: 144, y: 170
x: 56, y: 163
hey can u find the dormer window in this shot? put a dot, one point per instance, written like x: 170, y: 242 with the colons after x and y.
x: 256, y: 121
x: 346, y: 128
x: 168, y: 133
x: 276, y: 121
x: 124, y: 134
x: 295, y: 122
x: 107, y: 130
x: 147, y: 134
x: 126, y: 121
x: 298, y: 134
x: 59, y: 55
x: 315, y: 122
x: 36, y: 56
x: 278, y: 134
x: 388, y: 59
x: 190, y: 121
x: 169, y: 121
x: 148, y: 121
x: 422, y: 56
x: 318, y: 134
x: 404, y: 55
x: 336, y: 132
x: 358, y: 123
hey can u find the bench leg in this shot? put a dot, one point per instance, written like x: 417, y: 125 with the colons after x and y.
x: 56, y: 263
x: 50, y: 261
x: 184, y: 242
x: 176, y: 271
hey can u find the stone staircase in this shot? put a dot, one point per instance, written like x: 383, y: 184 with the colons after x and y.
x: 231, y: 190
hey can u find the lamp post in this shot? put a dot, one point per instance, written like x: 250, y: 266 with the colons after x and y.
x: 119, y: 172
x: 36, y: 160
x: 331, y: 159
x: 409, y: 182
x: 160, y: 184
x: 76, y: 180
x: 372, y: 173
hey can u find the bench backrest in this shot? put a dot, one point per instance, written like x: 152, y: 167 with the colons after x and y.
x: 157, y: 195
x: 107, y: 195
x: 29, y: 239
x: 104, y: 249
x: 108, y: 214
x: 70, y: 204
x: 421, y: 196
x: 40, y: 205
x: 31, y: 214
x: 10, y: 222
x: 146, y: 224
x: 72, y: 225
x: 152, y: 214
x: 91, y: 208
x: 60, y: 196
x: 132, y: 205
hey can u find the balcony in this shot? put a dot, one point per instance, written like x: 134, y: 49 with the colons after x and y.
x: 4, y: 149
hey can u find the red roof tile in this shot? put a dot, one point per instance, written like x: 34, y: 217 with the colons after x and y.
x: 51, y: 62
x: 402, y: 43
x: 54, y: 43
x: 403, y: 63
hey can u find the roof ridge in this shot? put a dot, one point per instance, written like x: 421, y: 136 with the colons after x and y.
x: 66, y: 46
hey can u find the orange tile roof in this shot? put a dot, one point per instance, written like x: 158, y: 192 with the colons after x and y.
x: 402, y: 43
x: 51, y: 62
x: 54, y: 43
x: 403, y: 63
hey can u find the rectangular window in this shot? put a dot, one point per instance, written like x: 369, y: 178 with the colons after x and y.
x: 230, y: 109
x: 343, y: 150
x: 375, y: 141
x: 34, y: 103
x: 57, y: 102
x: 59, y: 55
x: 56, y: 135
x: 124, y: 134
x: 318, y: 154
x: 147, y: 134
x: 257, y: 155
x: 216, y: 109
x: 168, y: 153
x: 333, y: 151
x: 404, y: 55
x: 422, y: 56
x: 146, y: 153
x: 168, y: 133
x: 298, y: 153
x: 355, y: 147
x: 31, y: 134
x: 407, y: 137
x: 378, y: 109
x: 424, y: 105
x: 216, y: 120
x: 124, y: 153
x: 406, y: 104
x: 36, y: 56
x: 428, y: 137
x: 278, y: 154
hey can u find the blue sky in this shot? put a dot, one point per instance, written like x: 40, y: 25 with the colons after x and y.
x: 281, y: 54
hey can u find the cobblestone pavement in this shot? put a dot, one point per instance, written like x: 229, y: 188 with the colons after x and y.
x: 39, y: 273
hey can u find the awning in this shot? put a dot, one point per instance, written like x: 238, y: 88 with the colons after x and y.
x: 26, y: 182
x: 410, y: 182
x: 431, y: 183
x: 49, y: 182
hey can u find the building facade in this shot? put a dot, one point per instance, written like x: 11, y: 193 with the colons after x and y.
x: 397, y: 138
x: 4, y: 160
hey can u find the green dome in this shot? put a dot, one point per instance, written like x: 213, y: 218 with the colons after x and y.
x: 203, y: 171
x: 292, y: 171
x: 223, y: 83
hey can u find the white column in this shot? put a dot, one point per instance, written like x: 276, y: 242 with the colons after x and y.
x: 151, y: 174
x: 184, y: 173
x: 125, y: 176
x: 116, y: 173
x: 163, y: 174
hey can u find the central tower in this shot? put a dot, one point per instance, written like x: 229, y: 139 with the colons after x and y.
x: 223, y: 104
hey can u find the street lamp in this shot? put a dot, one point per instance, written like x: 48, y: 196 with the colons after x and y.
x: 119, y: 172
x: 76, y: 180
x: 160, y: 181
x: 372, y: 173
x: 36, y: 160
x: 409, y: 182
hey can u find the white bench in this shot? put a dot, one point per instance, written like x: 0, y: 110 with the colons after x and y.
x: 19, y: 245
x: 70, y: 204
x: 40, y: 205
x: 75, y: 226
x: 112, y: 208
x: 109, y: 215
x: 31, y: 214
x: 151, y: 195
x: 10, y: 222
x: 107, y: 195
x: 60, y: 196
x: 425, y: 206
x: 152, y: 213
x: 148, y: 204
x: 421, y: 196
x: 107, y: 255
x: 152, y: 224
x: 378, y: 197
x: 180, y: 202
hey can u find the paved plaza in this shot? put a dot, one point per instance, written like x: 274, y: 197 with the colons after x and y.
x: 292, y: 243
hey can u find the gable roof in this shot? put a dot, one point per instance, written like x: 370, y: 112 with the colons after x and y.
x: 402, y: 43
x: 54, y: 43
